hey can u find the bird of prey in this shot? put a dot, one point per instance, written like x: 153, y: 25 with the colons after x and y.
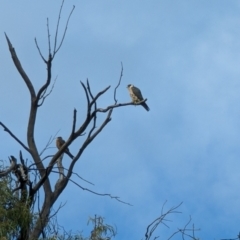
x: 59, y: 144
x: 136, y: 95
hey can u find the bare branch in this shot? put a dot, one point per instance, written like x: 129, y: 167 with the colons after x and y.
x: 107, y: 120
x: 43, y: 97
x: 94, y: 124
x: 43, y: 89
x: 55, y: 51
x: 73, y: 173
x: 56, y: 34
x: 86, y: 93
x: 163, y: 207
x: 184, y: 231
x: 43, y: 179
x: 120, y: 105
x: 88, y: 141
x: 61, y: 206
x: 98, y: 95
x: 20, y: 69
x: 84, y: 145
x: 81, y: 177
x: 13, y: 136
x: 39, y: 51
x: 237, y: 238
x: 49, y: 41
x: 152, y: 226
x: 89, y: 90
x: 50, y: 141
x: 95, y: 108
x: 115, y: 90
x: 74, y: 121
x: 34, y: 164
x: 100, y: 194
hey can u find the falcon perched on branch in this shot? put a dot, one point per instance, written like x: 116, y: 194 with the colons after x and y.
x: 59, y: 143
x: 136, y: 95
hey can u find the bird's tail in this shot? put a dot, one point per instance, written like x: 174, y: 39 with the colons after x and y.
x: 145, y: 106
x: 69, y: 154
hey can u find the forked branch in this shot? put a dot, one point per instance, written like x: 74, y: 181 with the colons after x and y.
x: 56, y: 49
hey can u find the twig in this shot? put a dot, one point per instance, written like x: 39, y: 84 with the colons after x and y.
x: 43, y: 96
x: 184, y: 231
x: 73, y: 174
x: 56, y: 34
x: 55, y: 51
x: 152, y: 226
x: 61, y: 206
x: 95, y: 108
x: 86, y: 93
x: 30, y: 166
x: 39, y: 51
x: 237, y: 238
x: 100, y: 194
x: 80, y: 177
x: 49, y: 42
x: 48, y: 144
x: 120, y: 78
x: 89, y: 90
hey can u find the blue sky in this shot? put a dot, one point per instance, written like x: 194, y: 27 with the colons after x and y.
x: 185, y: 57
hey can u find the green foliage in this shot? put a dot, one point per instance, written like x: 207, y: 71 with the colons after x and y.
x: 101, y: 230
x: 14, y: 214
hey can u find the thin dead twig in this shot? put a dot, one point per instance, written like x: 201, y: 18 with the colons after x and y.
x: 49, y: 41
x: 152, y: 226
x: 39, y: 51
x: 100, y: 194
x: 43, y: 96
x: 64, y: 34
x: 119, y: 82
x: 50, y: 141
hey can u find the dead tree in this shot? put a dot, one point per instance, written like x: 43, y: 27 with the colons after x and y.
x: 87, y: 129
